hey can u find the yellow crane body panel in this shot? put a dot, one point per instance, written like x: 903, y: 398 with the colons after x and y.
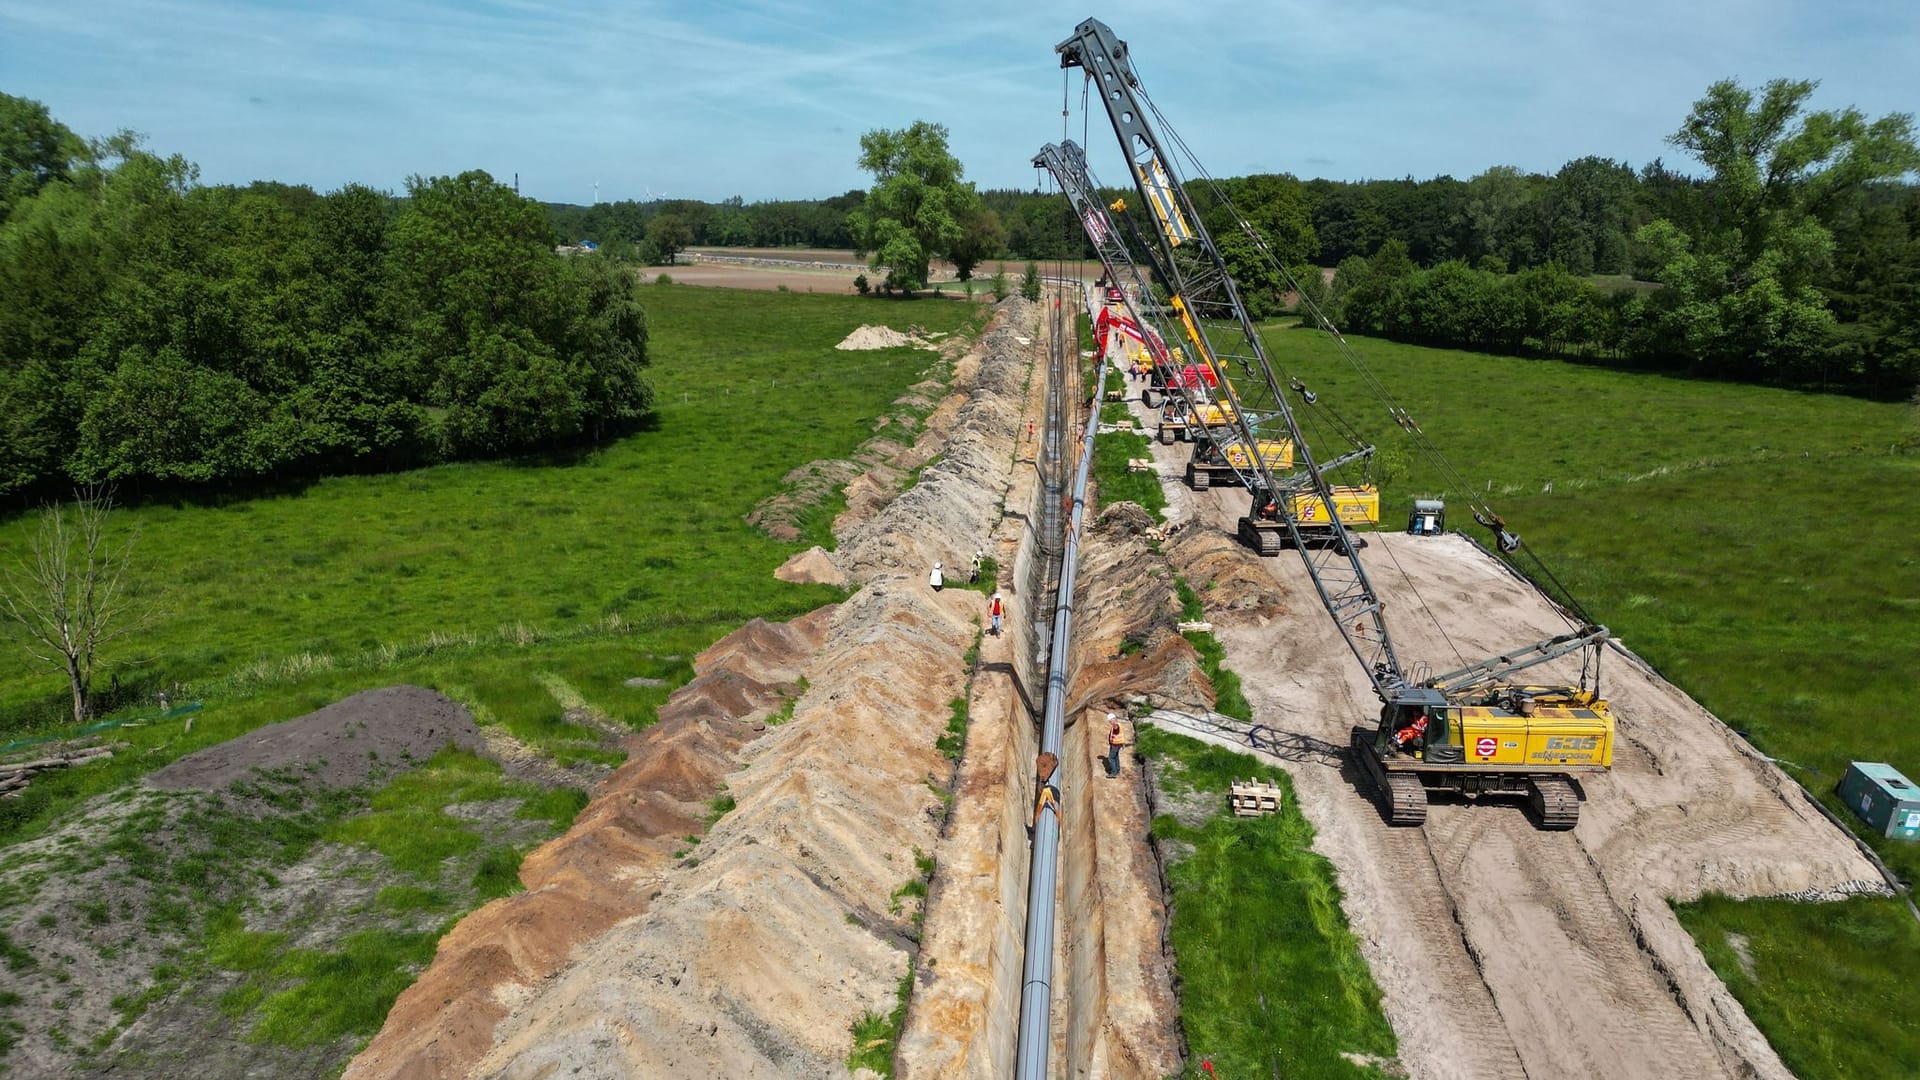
x: 1276, y: 453
x: 1573, y: 736
x: 1355, y: 505
x: 1217, y: 414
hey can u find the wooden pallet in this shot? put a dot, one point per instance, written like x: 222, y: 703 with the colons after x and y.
x: 1254, y: 798
x: 1141, y: 464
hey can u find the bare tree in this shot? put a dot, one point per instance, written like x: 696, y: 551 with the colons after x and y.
x: 69, y: 599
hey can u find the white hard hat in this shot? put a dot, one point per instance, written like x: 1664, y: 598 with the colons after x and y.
x: 936, y: 566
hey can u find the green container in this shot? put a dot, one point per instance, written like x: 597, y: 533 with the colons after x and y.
x: 1888, y: 802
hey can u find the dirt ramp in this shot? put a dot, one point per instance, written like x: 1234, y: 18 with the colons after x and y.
x: 346, y: 744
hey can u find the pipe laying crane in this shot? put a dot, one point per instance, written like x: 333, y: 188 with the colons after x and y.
x: 1471, y: 731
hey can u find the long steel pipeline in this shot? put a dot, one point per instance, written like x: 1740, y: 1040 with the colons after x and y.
x: 1036, y: 980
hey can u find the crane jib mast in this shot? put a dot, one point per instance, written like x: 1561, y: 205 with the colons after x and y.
x: 1524, y: 739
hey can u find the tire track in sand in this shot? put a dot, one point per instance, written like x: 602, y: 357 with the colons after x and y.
x: 1501, y: 950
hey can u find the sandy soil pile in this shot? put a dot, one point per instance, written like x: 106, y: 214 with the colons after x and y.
x: 756, y: 953
x: 878, y: 337
x: 951, y: 512
x: 607, y: 867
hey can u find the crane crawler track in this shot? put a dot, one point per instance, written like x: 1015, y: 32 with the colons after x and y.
x: 1267, y: 543
x: 1401, y: 796
x: 1555, y: 805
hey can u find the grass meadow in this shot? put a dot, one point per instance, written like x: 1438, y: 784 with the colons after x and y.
x: 1756, y: 546
x: 522, y: 588
x: 1271, y: 979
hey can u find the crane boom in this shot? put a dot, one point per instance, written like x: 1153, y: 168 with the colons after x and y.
x: 1207, y: 304
x: 1068, y: 165
x: 1216, y: 322
x: 1468, y: 731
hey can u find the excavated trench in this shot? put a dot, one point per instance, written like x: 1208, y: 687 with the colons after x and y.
x: 1114, y: 1010
x: 744, y: 894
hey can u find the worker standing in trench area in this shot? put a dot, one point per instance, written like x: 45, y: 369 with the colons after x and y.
x: 1049, y: 798
x: 1116, y: 738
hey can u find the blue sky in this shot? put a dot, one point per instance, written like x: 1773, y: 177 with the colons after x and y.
x: 768, y: 98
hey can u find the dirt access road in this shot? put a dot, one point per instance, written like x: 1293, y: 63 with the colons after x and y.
x: 821, y: 270
x: 1503, y: 951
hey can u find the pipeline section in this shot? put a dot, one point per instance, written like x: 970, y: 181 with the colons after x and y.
x: 1036, y: 980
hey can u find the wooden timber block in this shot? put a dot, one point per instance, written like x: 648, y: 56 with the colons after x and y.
x: 1202, y: 627
x: 1254, y: 798
x: 1140, y: 464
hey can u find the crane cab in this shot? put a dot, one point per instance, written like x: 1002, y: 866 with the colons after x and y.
x: 1517, y: 740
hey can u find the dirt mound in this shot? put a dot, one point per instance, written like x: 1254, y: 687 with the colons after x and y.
x: 1226, y: 575
x: 346, y: 744
x: 951, y: 511
x: 779, y: 515
x: 883, y: 337
x: 751, y: 672
x: 605, y: 869
x: 769, y: 652
x: 812, y: 567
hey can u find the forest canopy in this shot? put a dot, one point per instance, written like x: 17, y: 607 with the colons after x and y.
x: 154, y: 329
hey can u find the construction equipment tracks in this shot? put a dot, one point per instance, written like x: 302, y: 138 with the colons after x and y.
x: 1504, y: 949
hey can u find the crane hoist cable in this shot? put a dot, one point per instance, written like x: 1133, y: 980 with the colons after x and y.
x: 1508, y: 542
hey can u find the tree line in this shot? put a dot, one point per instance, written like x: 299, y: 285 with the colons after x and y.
x: 154, y: 330
x: 1795, y: 260
x: 1792, y: 257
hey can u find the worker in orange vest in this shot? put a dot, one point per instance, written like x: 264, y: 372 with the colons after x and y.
x: 1415, y: 730
x: 1116, y: 739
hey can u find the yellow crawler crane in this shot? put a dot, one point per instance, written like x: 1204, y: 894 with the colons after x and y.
x: 1474, y: 731
x: 1531, y: 741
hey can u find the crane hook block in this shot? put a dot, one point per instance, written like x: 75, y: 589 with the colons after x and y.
x: 1509, y: 542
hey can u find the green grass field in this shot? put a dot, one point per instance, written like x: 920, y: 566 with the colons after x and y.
x: 1271, y: 979
x: 486, y: 579
x: 1752, y: 543
x: 1857, y: 1020
x: 521, y: 588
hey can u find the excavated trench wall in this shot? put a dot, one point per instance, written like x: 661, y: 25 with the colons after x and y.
x: 1114, y: 1008
x: 965, y: 1009
x: 643, y: 948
